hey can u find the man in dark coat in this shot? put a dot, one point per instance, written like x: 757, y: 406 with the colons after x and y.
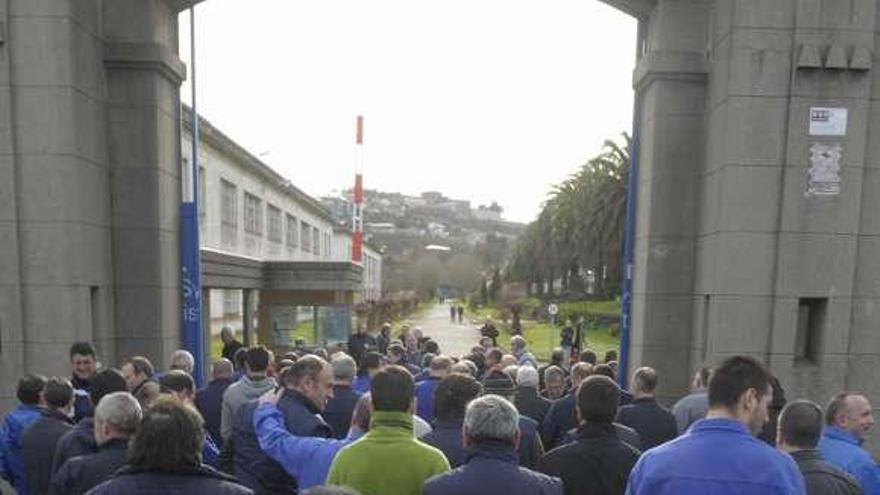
x: 450, y: 400
x: 527, y: 400
x: 81, y: 439
x: 39, y: 441
x: 800, y: 428
x: 562, y: 414
x: 117, y: 417
x: 230, y: 345
x: 308, y: 386
x: 655, y: 424
x: 491, y: 432
x: 209, y: 400
x: 166, y: 457
x: 360, y: 343
x: 340, y: 408
x: 598, y: 462
x: 383, y: 340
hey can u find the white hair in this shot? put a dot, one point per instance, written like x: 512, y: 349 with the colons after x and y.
x: 344, y: 366
x: 491, y: 417
x: 527, y: 376
x: 121, y: 411
x: 182, y: 360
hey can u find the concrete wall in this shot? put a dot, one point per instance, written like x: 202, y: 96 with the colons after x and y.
x: 88, y: 167
x: 730, y: 239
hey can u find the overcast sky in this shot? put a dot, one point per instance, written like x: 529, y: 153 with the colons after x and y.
x: 479, y: 99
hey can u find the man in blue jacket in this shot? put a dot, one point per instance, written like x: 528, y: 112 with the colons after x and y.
x: 307, y: 459
x: 491, y: 432
x: 13, y: 427
x: 721, y: 454
x: 848, y: 419
x: 440, y: 368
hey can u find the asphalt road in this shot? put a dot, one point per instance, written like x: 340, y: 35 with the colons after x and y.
x: 455, y: 339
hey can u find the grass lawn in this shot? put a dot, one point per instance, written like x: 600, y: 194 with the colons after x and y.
x: 543, y: 337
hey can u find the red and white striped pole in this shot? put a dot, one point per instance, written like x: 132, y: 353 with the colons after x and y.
x: 357, y: 220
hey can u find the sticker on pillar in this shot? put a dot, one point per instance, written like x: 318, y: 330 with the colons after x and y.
x: 823, y: 177
x: 826, y: 121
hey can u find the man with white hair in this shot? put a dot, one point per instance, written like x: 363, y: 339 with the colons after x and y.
x: 117, y: 417
x: 182, y: 360
x: 519, y: 348
x: 491, y: 432
x: 527, y: 399
x: 338, y: 411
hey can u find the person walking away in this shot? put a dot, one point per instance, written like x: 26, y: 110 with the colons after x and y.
x: 848, y: 419
x: 29, y: 394
x: 700, y: 460
x: 440, y: 368
x: 165, y: 457
x: 340, y: 407
x: 383, y: 340
x: 491, y: 433
x: 255, y: 383
x: 450, y: 401
x: 364, y: 465
x: 39, y: 440
x: 654, y: 424
x: 230, y: 345
x: 597, y: 462
x: 798, y: 433
x: 527, y: 400
x: 81, y: 439
x: 209, y: 400
x: 117, y: 417
x: 693, y: 407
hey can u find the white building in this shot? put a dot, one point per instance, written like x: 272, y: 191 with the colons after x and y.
x: 248, y: 209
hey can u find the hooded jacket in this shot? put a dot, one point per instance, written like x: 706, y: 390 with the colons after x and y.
x: 237, y: 395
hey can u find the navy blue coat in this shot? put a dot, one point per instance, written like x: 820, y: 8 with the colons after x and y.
x: 80, y: 474
x: 205, y: 480
x: 252, y: 466
x: 82, y: 403
x: 561, y: 417
x: 492, y: 468
x: 78, y: 441
x: 446, y: 436
x: 654, y: 424
x: 38, y: 447
x: 339, y: 409
x: 209, y: 402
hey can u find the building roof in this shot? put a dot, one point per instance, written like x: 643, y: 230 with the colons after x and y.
x: 216, y: 138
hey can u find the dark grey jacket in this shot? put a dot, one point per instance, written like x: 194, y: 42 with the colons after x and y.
x: 823, y: 478
x: 82, y: 473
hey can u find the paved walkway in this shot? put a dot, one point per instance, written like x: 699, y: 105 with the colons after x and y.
x: 455, y: 339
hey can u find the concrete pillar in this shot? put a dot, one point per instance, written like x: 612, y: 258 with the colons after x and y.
x: 670, y: 80
x: 143, y: 78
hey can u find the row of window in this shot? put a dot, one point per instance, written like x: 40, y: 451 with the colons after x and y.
x: 279, y: 226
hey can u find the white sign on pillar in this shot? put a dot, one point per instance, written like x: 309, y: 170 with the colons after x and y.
x: 828, y: 121
x: 823, y: 177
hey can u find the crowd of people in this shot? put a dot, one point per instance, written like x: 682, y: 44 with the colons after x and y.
x: 390, y: 414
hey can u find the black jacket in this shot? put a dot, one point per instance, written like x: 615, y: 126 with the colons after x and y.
x: 204, y: 480
x: 338, y: 411
x: 229, y: 349
x: 80, y: 474
x: 561, y: 417
x: 654, y: 424
x: 492, y: 468
x: 626, y: 435
x: 530, y: 404
x: 446, y: 436
x: 252, y: 466
x: 78, y: 441
x: 38, y: 447
x: 209, y: 402
x: 598, y: 463
x: 823, y: 478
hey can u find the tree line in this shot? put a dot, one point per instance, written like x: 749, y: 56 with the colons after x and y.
x: 578, y: 236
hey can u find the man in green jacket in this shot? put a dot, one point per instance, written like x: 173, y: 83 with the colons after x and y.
x: 388, y: 460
